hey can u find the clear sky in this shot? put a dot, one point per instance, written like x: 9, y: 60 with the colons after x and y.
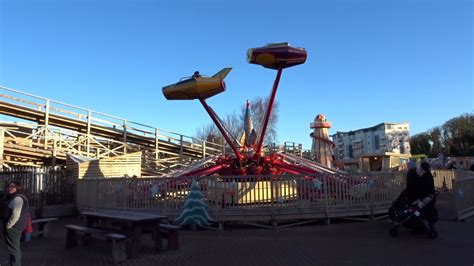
x: 368, y: 61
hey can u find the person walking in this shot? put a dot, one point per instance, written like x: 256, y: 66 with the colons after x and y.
x: 408, y: 195
x: 427, y: 188
x: 15, y: 218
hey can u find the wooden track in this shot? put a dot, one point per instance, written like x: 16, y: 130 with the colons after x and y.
x: 94, y: 133
x: 81, y: 126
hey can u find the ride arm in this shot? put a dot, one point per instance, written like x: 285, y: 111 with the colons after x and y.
x: 294, y: 169
x: 269, y: 110
x: 233, y: 145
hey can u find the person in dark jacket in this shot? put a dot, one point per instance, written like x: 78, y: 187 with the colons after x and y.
x: 15, y: 218
x: 408, y: 194
x: 426, y: 187
x: 426, y: 184
x: 420, y: 184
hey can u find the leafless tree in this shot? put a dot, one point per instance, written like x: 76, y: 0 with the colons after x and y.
x: 258, y: 108
x: 235, y: 123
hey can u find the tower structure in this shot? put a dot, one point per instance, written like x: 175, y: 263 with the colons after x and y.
x: 322, y: 147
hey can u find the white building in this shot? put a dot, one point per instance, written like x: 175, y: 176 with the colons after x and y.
x: 373, y: 143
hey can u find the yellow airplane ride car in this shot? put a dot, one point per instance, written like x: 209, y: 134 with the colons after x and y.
x: 197, y: 86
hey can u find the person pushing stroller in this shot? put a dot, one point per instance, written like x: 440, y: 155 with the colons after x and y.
x: 415, y: 207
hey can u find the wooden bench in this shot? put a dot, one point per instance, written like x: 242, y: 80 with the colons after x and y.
x: 118, y: 240
x: 42, y: 228
x: 170, y: 232
x: 43, y: 225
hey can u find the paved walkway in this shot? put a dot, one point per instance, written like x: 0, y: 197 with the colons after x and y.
x: 344, y: 243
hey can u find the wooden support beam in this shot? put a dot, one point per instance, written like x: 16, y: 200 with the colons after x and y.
x: 89, y: 117
x: 157, y: 145
x: 124, y: 136
x: 181, y: 147
x: 46, y: 123
x: 203, y: 149
x: 2, y: 141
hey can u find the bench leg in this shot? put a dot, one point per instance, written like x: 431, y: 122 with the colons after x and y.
x: 134, y: 242
x: 86, y: 239
x: 173, y: 242
x: 157, y: 237
x: 118, y: 250
x: 41, y: 229
x: 71, y: 239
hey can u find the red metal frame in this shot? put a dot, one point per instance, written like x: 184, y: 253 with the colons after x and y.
x: 221, y: 128
x: 269, y: 110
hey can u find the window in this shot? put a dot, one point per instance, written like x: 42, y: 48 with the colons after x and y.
x: 377, y: 142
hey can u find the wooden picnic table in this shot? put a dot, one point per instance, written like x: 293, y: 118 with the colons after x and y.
x: 132, y: 224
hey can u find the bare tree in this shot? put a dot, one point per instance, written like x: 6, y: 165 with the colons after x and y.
x: 209, y: 133
x: 258, y: 108
x: 235, y: 123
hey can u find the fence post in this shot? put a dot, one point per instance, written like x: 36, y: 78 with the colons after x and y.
x: 372, y: 196
x: 122, y: 182
x: 455, y: 198
x: 326, y: 199
x: 97, y: 194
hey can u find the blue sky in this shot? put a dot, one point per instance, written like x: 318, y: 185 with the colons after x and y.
x: 368, y: 61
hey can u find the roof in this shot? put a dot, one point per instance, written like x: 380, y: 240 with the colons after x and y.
x: 367, y: 128
x: 79, y: 158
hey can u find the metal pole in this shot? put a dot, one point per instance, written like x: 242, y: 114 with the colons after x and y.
x: 269, y: 110
x: 221, y: 128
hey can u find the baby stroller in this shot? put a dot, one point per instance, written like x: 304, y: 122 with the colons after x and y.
x: 419, y: 215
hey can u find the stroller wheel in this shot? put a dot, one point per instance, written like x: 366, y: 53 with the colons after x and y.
x: 432, y: 234
x: 394, y: 232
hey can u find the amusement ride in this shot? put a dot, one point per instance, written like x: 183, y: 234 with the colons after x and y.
x: 248, y: 157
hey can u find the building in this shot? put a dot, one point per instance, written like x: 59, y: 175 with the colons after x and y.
x: 382, y: 147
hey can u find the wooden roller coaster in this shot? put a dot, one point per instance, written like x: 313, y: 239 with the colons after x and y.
x: 45, y: 131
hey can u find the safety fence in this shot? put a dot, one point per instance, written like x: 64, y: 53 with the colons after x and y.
x: 459, y: 185
x: 463, y: 194
x: 42, y: 186
x: 250, y: 198
x: 443, y: 179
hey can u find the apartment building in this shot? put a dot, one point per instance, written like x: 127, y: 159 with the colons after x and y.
x: 381, y: 147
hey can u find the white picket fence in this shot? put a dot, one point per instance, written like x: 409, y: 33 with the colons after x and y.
x: 262, y: 198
